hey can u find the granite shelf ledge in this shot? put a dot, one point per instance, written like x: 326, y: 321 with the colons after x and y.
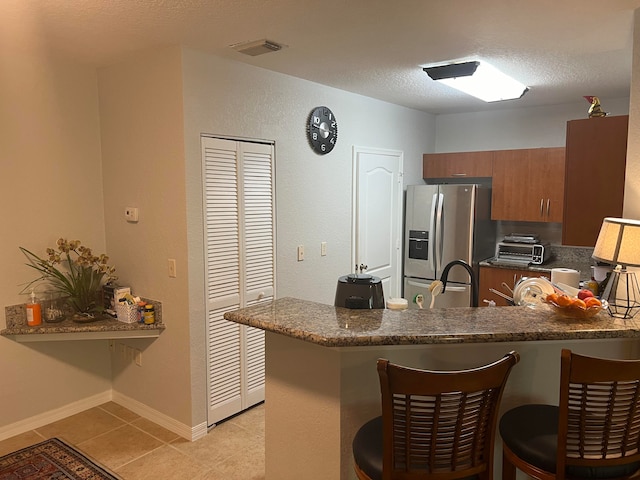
x: 68, y: 329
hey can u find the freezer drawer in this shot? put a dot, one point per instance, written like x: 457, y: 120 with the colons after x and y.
x: 457, y: 295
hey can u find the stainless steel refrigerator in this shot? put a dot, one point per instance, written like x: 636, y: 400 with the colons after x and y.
x: 444, y: 223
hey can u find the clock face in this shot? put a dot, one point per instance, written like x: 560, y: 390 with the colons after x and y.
x: 322, y: 130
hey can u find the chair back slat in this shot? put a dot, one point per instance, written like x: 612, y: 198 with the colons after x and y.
x: 599, y: 415
x: 440, y: 423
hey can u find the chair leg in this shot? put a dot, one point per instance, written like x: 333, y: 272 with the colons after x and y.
x: 508, y: 469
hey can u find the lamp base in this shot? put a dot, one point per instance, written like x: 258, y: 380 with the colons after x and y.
x: 622, y: 293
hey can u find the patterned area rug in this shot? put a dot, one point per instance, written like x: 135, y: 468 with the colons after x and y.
x: 52, y: 459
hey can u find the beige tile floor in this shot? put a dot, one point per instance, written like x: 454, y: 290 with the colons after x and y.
x: 137, y: 449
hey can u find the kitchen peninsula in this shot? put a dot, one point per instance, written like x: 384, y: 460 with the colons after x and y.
x: 322, y: 383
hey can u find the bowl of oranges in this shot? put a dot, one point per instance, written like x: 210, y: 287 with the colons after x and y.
x: 584, y: 305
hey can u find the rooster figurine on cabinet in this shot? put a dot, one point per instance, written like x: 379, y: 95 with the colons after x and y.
x: 595, y: 110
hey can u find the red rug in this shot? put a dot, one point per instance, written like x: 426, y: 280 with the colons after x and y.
x: 51, y: 459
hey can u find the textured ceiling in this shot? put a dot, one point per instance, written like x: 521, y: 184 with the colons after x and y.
x: 561, y: 49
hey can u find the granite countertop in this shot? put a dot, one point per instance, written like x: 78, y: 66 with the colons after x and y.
x: 68, y: 328
x: 341, y: 327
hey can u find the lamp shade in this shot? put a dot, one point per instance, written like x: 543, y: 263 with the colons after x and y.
x: 618, y: 242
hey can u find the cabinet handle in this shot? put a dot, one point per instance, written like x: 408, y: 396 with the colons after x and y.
x: 542, y: 207
x: 548, y: 206
x: 458, y: 174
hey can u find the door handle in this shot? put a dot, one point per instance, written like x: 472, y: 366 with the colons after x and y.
x: 440, y: 246
x: 432, y: 233
x: 451, y: 288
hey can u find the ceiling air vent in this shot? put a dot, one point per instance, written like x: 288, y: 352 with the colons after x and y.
x: 257, y: 47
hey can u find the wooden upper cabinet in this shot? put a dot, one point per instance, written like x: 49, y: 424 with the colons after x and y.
x: 528, y: 185
x: 457, y: 165
x: 595, y: 171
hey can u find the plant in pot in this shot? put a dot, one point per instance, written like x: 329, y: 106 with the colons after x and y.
x: 75, y: 273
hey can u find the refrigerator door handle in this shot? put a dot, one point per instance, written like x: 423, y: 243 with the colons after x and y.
x: 419, y: 284
x: 439, y: 246
x: 451, y: 288
x: 432, y: 234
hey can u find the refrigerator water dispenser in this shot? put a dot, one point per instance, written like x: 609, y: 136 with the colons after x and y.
x: 419, y: 244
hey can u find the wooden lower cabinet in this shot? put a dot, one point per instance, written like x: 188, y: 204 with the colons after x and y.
x: 491, y: 277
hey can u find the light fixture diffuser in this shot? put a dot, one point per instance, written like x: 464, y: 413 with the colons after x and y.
x: 478, y: 79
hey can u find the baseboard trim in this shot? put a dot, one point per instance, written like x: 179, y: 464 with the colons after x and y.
x: 54, y: 415
x: 185, y: 431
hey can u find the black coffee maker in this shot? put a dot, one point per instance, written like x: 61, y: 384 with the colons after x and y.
x: 359, y: 291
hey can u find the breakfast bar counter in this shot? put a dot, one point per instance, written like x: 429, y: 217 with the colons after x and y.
x: 322, y: 383
x: 331, y: 326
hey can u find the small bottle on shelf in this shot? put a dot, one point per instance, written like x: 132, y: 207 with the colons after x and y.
x: 149, y: 314
x: 34, y: 311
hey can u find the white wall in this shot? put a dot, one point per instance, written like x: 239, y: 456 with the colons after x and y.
x: 50, y: 187
x: 143, y: 162
x: 313, y: 192
x: 515, y: 128
x: 632, y: 177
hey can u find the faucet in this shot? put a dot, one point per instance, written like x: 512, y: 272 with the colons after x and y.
x: 472, y: 275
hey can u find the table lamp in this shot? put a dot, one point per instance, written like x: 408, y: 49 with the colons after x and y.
x: 619, y: 244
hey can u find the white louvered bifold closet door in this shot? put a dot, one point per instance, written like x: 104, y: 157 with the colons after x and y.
x: 240, y: 268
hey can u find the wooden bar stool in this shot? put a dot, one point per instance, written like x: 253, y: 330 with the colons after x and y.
x: 594, y: 432
x: 434, y: 424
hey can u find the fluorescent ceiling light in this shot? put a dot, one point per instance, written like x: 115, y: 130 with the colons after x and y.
x: 478, y: 79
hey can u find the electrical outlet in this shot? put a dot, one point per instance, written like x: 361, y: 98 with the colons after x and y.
x: 138, y: 357
x: 131, y: 214
x: 172, y: 268
x: 300, y: 253
x: 323, y: 249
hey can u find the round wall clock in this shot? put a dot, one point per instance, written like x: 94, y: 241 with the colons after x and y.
x: 322, y: 130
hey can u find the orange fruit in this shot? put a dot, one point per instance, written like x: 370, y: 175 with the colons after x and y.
x: 577, y: 303
x: 552, y: 298
x: 592, y: 302
x: 563, y: 301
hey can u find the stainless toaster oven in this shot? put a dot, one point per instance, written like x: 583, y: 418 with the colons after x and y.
x: 531, y: 253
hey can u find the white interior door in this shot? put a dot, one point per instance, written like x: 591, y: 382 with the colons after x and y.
x: 377, y: 215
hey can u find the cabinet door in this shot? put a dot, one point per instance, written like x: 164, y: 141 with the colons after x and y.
x: 528, y: 185
x: 491, y: 277
x: 594, y: 176
x: 457, y: 165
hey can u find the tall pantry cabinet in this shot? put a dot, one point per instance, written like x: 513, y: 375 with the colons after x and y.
x: 239, y: 219
x: 595, y: 176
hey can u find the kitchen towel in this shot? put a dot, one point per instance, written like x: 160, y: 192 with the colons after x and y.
x: 568, y: 276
